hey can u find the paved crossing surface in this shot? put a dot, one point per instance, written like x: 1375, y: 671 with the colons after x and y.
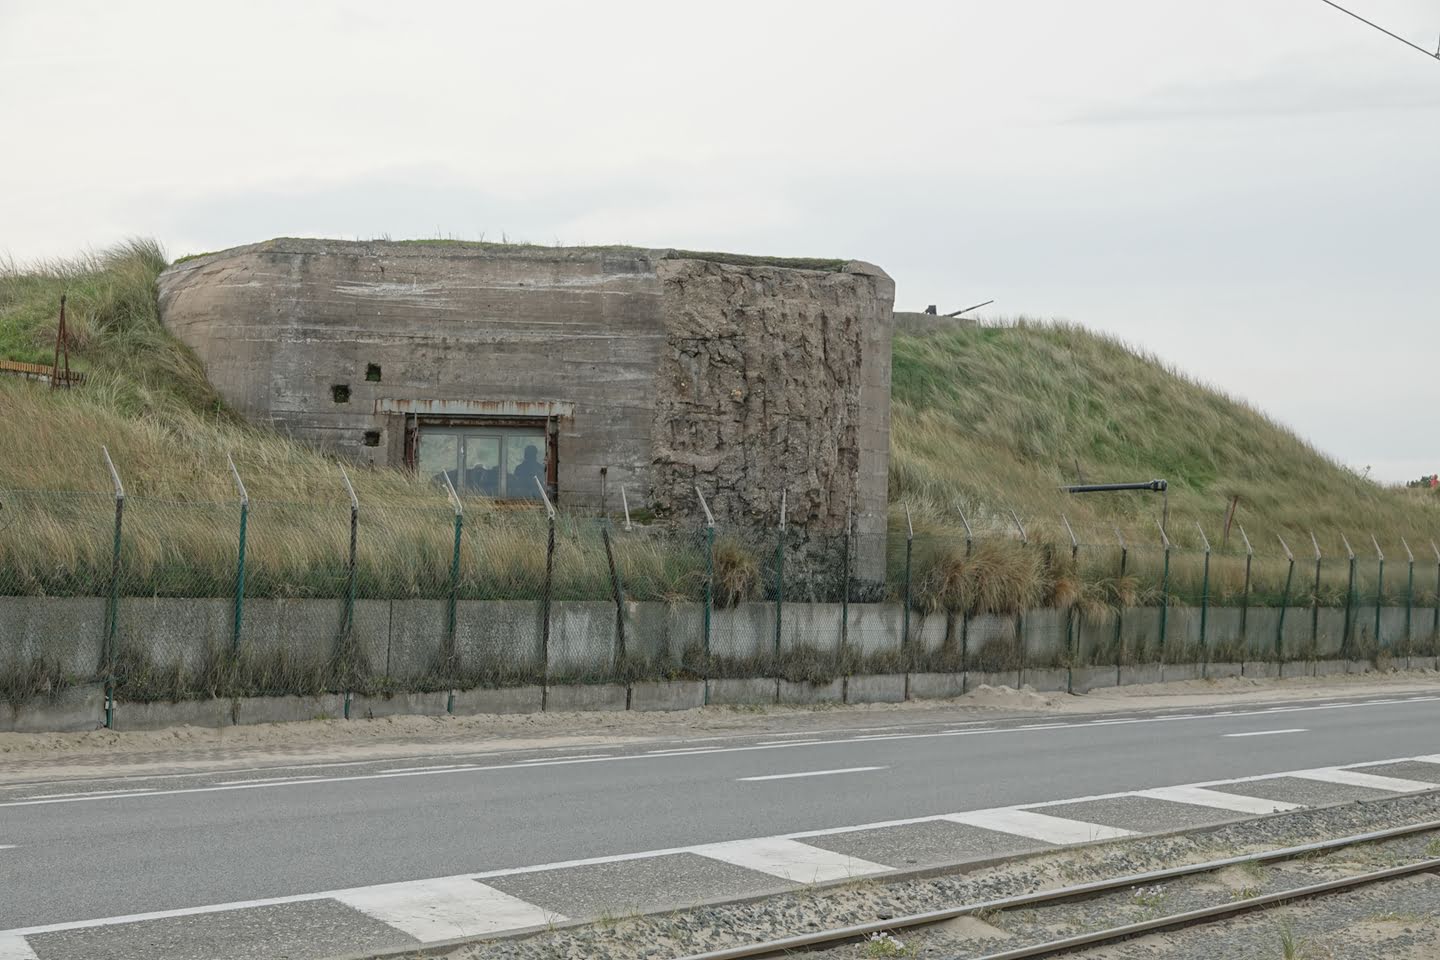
x: 734, y: 818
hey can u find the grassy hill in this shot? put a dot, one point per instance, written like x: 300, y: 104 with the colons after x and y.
x: 986, y: 419
x: 992, y: 418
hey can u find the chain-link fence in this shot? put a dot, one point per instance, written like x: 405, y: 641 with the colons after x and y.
x: 170, y: 600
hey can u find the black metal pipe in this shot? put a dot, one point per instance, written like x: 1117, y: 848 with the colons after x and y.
x: 1158, y: 486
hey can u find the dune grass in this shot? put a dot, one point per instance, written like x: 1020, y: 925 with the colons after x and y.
x: 986, y: 419
x: 989, y: 419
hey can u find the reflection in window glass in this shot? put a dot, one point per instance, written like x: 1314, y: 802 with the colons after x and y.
x: 490, y: 462
x: 482, y: 465
x: 525, y: 461
x: 439, y: 454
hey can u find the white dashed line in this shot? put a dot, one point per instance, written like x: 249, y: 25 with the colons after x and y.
x: 15, y: 948
x: 446, y: 909
x: 1038, y: 826
x: 1266, y: 733
x: 790, y: 859
x: 808, y: 773
x: 1202, y: 797
x: 1355, y: 778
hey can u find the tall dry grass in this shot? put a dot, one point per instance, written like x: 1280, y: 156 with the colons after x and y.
x: 987, y: 419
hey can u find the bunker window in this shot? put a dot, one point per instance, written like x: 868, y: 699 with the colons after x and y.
x: 502, y: 462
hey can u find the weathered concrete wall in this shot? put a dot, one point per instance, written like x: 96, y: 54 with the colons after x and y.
x: 500, y: 643
x: 777, y: 380
x: 666, y: 370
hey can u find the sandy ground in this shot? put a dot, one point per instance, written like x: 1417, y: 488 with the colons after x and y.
x: 101, y: 753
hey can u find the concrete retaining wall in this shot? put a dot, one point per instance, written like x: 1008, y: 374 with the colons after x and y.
x: 404, y: 641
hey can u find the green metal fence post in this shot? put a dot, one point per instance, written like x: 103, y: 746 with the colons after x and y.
x: 780, y: 576
x: 965, y: 613
x: 1245, y: 602
x: 346, y: 657
x: 1435, y: 623
x: 1379, y: 590
x: 1204, y: 605
x: 1284, y: 604
x: 910, y: 658
x: 709, y: 576
x: 1070, y: 610
x: 545, y: 598
x: 617, y: 591
x: 239, y: 612
x: 1315, y: 602
x: 845, y: 587
x: 1120, y: 610
x: 1164, y: 598
x: 1409, y: 601
x: 1020, y: 617
x: 1349, y: 602
x: 452, y: 653
x: 112, y: 610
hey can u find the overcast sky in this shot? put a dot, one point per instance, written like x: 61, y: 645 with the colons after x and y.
x: 1248, y: 188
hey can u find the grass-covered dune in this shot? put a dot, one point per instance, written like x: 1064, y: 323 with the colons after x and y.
x: 986, y: 419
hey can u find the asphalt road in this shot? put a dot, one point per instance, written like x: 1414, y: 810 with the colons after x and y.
x: 74, y: 851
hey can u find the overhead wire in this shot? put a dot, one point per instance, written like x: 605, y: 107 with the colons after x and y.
x: 1369, y: 23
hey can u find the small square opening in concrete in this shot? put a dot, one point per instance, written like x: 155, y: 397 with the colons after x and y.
x: 340, y: 393
x: 372, y: 372
x: 372, y: 438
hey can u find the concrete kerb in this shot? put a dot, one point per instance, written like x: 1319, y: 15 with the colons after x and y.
x: 936, y: 686
x: 186, y: 713
x: 498, y: 700
x: 804, y: 692
x: 743, y: 691
x: 82, y: 708
x: 1085, y: 679
x: 73, y: 710
x: 667, y: 695
x: 587, y: 697
x: 875, y: 688
x: 1048, y: 679
x: 398, y: 705
x: 252, y: 710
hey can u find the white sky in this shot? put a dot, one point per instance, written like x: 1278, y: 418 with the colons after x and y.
x: 1247, y: 188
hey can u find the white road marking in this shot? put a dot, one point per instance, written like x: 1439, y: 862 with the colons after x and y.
x: 274, y: 780
x: 1356, y: 779
x: 452, y: 766
x: 808, y: 773
x: 445, y: 909
x: 88, y: 794
x: 790, y: 860
x: 253, y: 785
x: 7, y: 846
x: 573, y: 756
x: 10, y: 935
x: 1202, y: 797
x: 1038, y: 826
x: 1266, y: 733
x: 15, y: 948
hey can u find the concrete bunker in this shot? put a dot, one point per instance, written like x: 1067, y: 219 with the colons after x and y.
x: 510, y: 367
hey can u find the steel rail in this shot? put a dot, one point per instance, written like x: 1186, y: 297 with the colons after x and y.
x: 856, y: 931
x: 1209, y: 914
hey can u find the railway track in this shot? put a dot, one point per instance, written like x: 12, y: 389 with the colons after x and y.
x: 1140, y: 881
